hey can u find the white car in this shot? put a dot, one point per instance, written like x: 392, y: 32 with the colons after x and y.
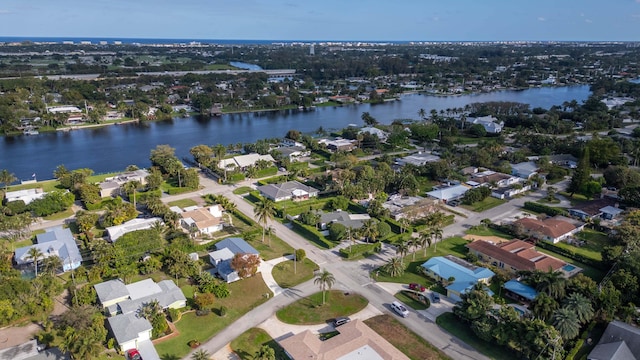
x: 400, y: 309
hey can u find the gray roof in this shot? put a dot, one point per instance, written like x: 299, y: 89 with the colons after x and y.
x: 29, y: 351
x: 221, y: 255
x: 126, y: 327
x: 612, y: 351
x: 286, y: 189
x: 616, y: 332
x: 56, y: 241
x: 236, y: 246
x: 342, y: 217
x: 110, y: 290
x: 451, y: 192
x: 165, y: 292
x: 525, y: 167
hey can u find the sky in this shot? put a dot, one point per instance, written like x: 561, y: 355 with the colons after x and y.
x: 366, y: 20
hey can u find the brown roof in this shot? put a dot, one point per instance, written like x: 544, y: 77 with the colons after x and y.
x: 593, y: 207
x: 517, y: 254
x: 489, y: 178
x: 353, y: 336
x: 552, y: 228
x: 202, y: 217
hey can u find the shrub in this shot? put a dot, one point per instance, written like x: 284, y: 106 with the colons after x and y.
x: 541, y: 208
x: 300, y: 254
x: 223, y: 311
x: 221, y: 290
x: 174, y: 315
x: 17, y: 207
x: 365, y: 250
x: 337, y: 232
x: 193, y: 343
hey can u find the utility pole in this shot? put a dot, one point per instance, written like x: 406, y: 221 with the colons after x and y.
x: 295, y: 260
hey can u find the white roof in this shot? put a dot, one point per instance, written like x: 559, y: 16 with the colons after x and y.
x: 117, y: 231
x: 140, y: 289
x: 451, y: 192
x: 244, y: 160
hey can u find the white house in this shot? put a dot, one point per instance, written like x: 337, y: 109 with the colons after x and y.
x: 115, y: 232
x: 111, y: 185
x: 489, y: 123
x: 243, y: 161
x: 55, y: 241
x: 450, y: 193
x: 27, y: 195
x: 374, y: 131
x: 418, y: 159
x: 524, y: 170
x: 202, y: 220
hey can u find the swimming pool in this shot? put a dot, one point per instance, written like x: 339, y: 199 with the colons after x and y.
x: 568, y: 268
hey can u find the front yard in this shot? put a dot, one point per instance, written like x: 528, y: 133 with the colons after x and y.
x: 310, y: 310
x: 486, y: 204
x: 248, y: 344
x: 287, y: 274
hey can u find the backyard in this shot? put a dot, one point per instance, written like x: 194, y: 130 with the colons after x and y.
x: 455, y: 327
x: 591, y: 243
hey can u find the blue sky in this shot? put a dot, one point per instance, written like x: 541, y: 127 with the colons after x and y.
x: 427, y: 20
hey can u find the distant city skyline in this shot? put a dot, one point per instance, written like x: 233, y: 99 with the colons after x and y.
x: 365, y: 20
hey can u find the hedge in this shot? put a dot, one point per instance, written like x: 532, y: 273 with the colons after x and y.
x: 540, y: 208
x: 572, y: 255
x: 244, y: 218
x: 312, y: 235
x: 360, y: 249
x: 270, y: 171
x: 234, y: 178
x: 576, y: 348
x: 179, y: 190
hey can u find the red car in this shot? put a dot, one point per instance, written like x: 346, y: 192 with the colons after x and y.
x: 133, y: 354
x: 417, y: 287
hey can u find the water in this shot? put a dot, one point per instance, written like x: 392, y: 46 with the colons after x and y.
x: 245, y: 66
x: 568, y: 268
x: 112, y: 148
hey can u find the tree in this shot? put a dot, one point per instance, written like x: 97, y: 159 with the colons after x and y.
x: 477, y: 130
x: 581, y: 306
x: 425, y: 239
x: 474, y: 305
x: 131, y: 187
x: 154, y: 179
x: 52, y: 264
x: 566, y: 322
x: 394, y: 267
x: 264, y: 211
x: 266, y: 352
x: 149, y: 309
x: 200, y: 354
x: 402, y: 249
x: 325, y: 280
x: 35, y: 255
x: 337, y: 231
x: 437, y: 236
x: 582, y: 173
x: 368, y: 119
x: 370, y: 230
x: 543, y: 306
x: 205, y: 301
x: 202, y: 155
x: 422, y: 113
x: 7, y: 178
x: 245, y: 264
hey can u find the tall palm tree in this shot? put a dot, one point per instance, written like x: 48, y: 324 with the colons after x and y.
x: 7, y: 178
x: 422, y: 113
x: 552, y: 282
x: 52, y: 264
x: 394, y: 267
x: 34, y: 254
x: 201, y: 354
x: 581, y: 305
x: 132, y: 187
x: 370, y: 230
x: 229, y: 208
x: 265, y: 352
x: 402, y: 249
x: 543, y: 306
x: 352, y: 235
x: 325, y: 280
x: 437, y: 234
x: 149, y: 310
x: 566, y: 322
x: 264, y: 211
x: 425, y: 240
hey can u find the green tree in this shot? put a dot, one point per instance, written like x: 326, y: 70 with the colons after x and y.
x: 424, y: 239
x: 582, y: 173
x: 266, y: 352
x: 474, y: 305
x: 264, y: 211
x: 202, y: 155
x: 337, y: 232
x: 581, y: 306
x: 34, y: 254
x: 7, y: 178
x: 201, y: 354
x: 368, y: 119
x: 543, y: 306
x: 325, y: 280
x: 132, y: 187
x: 402, y: 249
x: 566, y: 322
x: 394, y: 267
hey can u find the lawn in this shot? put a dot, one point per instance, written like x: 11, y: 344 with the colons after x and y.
x: 590, y: 271
x: 246, y: 294
x: 247, y: 344
x: 310, y: 310
x: 272, y: 248
x: 487, y: 231
x: 285, y: 276
x: 594, y: 241
x: 183, y: 203
x: 242, y: 190
x: 405, y: 340
x: 455, y: 327
x: 60, y: 215
x: 409, y: 301
x: 47, y: 185
x: 450, y: 246
x: 486, y: 204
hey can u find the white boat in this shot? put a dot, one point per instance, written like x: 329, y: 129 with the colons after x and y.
x: 30, y: 132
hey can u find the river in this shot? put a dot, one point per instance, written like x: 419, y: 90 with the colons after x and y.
x: 112, y: 148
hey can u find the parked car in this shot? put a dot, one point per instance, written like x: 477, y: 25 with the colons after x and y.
x: 340, y: 321
x: 400, y: 309
x: 417, y: 287
x: 133, y: 354
x: 435, y: 297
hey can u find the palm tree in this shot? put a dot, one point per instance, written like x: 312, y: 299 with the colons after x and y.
x: 264, y: 211
x: 52, y: 264
x: 149, y: 310
x: 229, y: 208
x: 402, y: 249
x: 266, y: 352
x: 566, y: 322
x: 394, y: 267
x: 7, y: 178
x: 581, y: 305
x: 34, y: 254
x: 132, y: 187
x: 425, y: 240
x: 543, y: 306
x: 551, y: 282
x: 437, y: 234
x: 200, y: 354
x: 370, y: 230
x: 326, y: 280
x: 352, y: 235
x: 422, y: 113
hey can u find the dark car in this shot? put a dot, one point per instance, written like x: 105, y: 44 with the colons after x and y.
x: 416, y: 287
x: 435, y: 297
x: 340, y: 321
x: 133, y: 354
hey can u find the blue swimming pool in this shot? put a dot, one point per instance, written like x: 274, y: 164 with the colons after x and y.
x: 568, y: 268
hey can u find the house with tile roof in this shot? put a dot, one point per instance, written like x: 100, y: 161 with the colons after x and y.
x: 459, y: 274
x: 290, y: 190
x: 56, y: 241
x: 620, y: 341
x: 225, y: 251
x: 355, y: 341
x: 201, y: 220
x: 513, y: 256
x: 553, y: 229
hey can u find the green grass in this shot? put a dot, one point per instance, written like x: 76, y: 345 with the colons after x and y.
x: 246, y: 294
x: 594, y: 242
x: 450, y: 246
x: 411, y: 302
x: 405, y: 340
x: 486, y: 204
x: 247, y: 344
x: 183, y: 203
x: 242, y: 190
x: 47, y: 185
x: 272, y: 248
x: 462, y: 331
x: 487, y: 231
x: 285, y: 276
x: 590, y: 271
x: 100, y: 177
x: 310, y: 310
x: 60, y: 215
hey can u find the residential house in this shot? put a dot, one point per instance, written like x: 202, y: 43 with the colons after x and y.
x: 495, y: 179
x: 382, y: 135
x: 111, y: 185
x: 355, y: 340
x: 620, y: 341
x: 419, y: 159
x: 489, y: 123
x: 603, y: 208
x: 510, y: 191
x: 290, y: 190
x: 338, y: 144
x: 524, y: 170
x: 200, y: 220
x: 32, y: 351
x: 460, y: 275
x: 553, y: 229
x: 410, y: 207
x: 342, y: 217
x: 293, y: 153
x: 116, y: 231
x: 225, y: 251
x: 519, y: 291
x: 27, y: 196
x: 56, y: 241
x: 243, y: 161
x: 448, y: 193
x: 513, y: 256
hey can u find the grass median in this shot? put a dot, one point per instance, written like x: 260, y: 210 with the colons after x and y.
x: 311, y: 310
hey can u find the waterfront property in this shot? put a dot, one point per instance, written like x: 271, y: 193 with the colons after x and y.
x: 242, y: 162
x: 225, y: 252
x: 290, y: 190
x: 111, y: 185
x: 55, y: 241
x: 458, y: 275
x: 355, y: 340
x: 115, y: 232
x: 489, y: 123
x: 27, y: 196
